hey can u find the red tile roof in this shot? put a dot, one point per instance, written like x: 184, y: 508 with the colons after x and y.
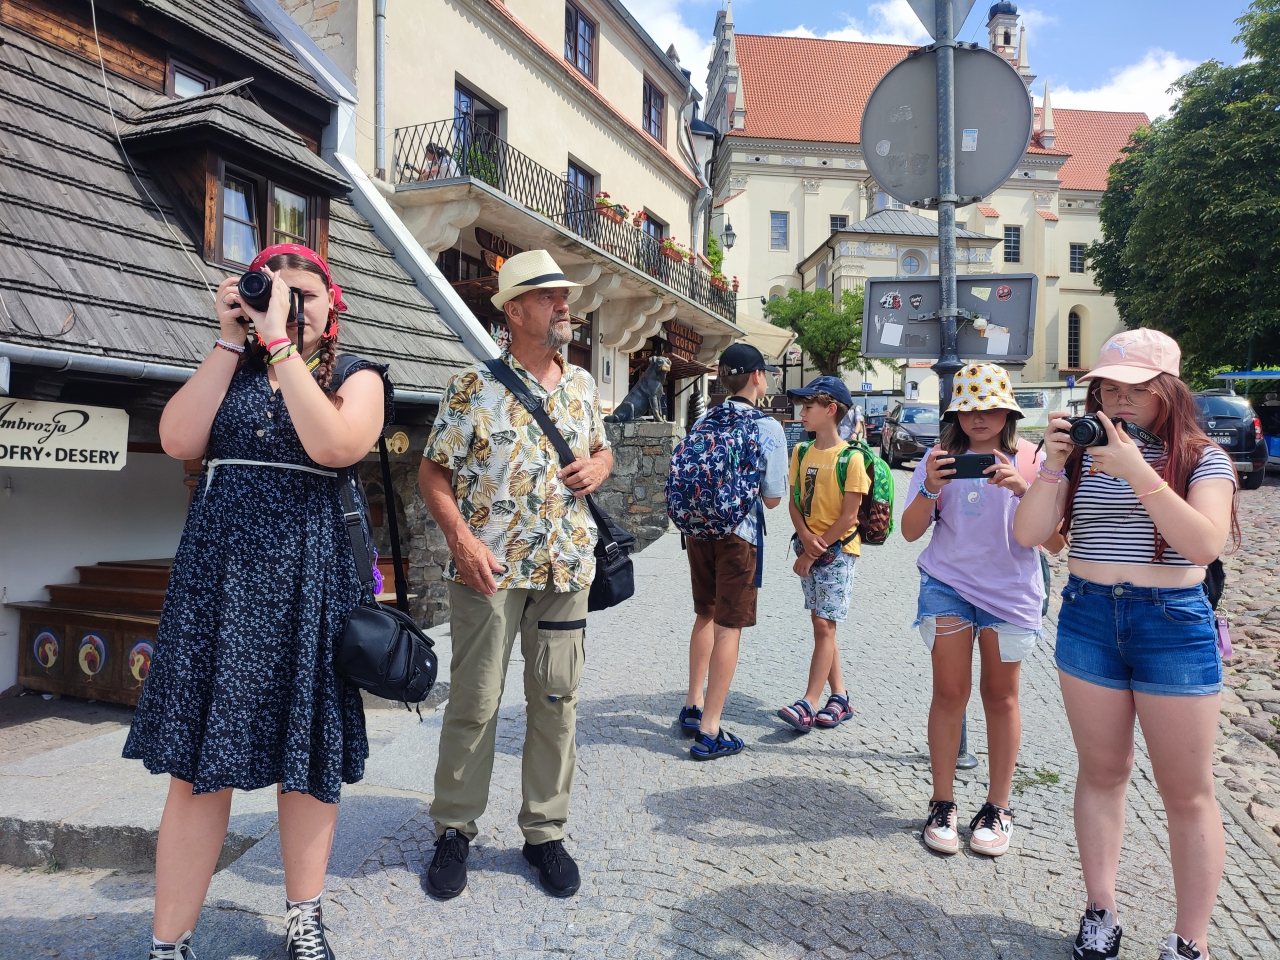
x: 801, y: 88
x: 989, y: 212
x: 1048, y: 215
x: 1093, y: 138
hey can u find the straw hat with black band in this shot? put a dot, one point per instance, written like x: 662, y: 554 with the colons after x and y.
x: 531, y: 270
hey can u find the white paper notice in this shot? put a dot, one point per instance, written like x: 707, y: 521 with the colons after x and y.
x: 980, y: 292
x: 969, y: 141
x: 997, y: 341
x: 891, y: 335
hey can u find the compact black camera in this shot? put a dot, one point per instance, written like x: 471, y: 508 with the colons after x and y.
x: 255, y: 290
x: 1089, y: 431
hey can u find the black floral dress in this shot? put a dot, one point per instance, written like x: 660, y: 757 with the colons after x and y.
x: 242, y: 690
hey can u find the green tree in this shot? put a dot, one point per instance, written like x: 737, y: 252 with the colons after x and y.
x: 831, y: 334
x: 1191, y: 214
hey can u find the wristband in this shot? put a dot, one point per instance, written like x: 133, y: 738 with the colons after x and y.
x: 279, y: 341
x: 1156, y: 489
x: 1048, y: 477
x: 924, y: 492
x: 228, y: 346
x: 284, y: 355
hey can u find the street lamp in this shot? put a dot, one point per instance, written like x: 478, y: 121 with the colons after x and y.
x: 729, y: 237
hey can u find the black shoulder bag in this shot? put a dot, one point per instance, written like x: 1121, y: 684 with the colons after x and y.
x: 381, y: 649
x: 615, y: 576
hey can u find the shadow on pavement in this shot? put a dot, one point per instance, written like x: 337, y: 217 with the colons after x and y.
x: 780, y: 809
x: 767, y: 920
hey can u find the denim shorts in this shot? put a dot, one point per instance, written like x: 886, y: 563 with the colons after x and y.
x: 1154, y: 640
x: 939, y: 600
x: 828, y: 590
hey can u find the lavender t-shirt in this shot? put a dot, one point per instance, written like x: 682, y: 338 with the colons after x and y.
x: 973, y: 550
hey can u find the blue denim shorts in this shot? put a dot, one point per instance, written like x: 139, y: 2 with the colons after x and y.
x: 937, y: 599
x: 1154, y: 640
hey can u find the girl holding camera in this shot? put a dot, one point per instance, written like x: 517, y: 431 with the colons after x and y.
x: 1136, y: 635
x: 242, y: 691
x: 976, y: 582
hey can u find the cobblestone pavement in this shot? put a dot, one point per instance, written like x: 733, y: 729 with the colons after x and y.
x: 800, y: 847
x: 30, y: 724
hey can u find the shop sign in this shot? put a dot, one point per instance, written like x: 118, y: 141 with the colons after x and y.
x: 685, y: 342
x: 61, y: 436
x: 501, y: 247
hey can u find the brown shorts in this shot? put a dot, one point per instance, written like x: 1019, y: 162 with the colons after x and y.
x: 724, y: 578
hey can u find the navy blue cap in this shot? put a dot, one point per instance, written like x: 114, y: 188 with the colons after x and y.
x: 744, y: 358
x: 831, y: 386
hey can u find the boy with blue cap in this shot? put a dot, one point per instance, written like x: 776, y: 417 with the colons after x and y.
x: 828, y: 480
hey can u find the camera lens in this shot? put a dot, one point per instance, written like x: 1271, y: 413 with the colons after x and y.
x: 255, y: 289
x: 1087, y: 432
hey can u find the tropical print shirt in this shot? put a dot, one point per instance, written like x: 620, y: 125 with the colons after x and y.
x: 504, y: 474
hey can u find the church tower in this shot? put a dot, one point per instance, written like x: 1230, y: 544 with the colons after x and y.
x: 1002, y: 30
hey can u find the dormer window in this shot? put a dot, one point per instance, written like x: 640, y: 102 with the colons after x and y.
x: 183, y: 80
x: 244, y: 230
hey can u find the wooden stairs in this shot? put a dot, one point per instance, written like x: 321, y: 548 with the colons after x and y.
x: 115, y: 585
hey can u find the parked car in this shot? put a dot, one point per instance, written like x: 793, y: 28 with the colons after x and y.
x: 1231, y: 422
x: 874, y: 425
x: 910, y: 431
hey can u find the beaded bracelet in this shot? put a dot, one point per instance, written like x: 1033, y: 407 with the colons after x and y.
x: 1048, y: 477
x: 1156, y: 489
x: 231, y: 347
x: 1045, y: 468
x: 277, y: 342
x: 924, y: 492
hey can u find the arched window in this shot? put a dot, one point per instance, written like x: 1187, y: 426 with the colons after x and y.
x: 822, y: 276
x: 1007, y: 38
x: 1073, y: 341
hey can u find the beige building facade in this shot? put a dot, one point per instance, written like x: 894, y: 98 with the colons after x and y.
x: 504, y: 123
x: 790, y: 178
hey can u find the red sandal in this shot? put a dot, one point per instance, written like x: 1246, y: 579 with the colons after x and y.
x: 799, y: 715
x: 836, y: 712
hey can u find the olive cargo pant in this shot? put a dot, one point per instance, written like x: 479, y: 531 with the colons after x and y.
x: 552, y: 629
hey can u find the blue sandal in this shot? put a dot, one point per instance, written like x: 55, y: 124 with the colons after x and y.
x: 690, y: 721
x: 723, y: 744
x: 836, y: 712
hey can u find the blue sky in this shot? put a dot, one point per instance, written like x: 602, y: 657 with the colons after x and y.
x: 1096, y: 54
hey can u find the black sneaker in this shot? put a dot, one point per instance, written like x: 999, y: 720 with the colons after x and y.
x: 556, y: 869
x: 1099, y: 936
x: 447, y: 875
x: 173, y: 951
x: 1175, y: 948
x: 304, y: 933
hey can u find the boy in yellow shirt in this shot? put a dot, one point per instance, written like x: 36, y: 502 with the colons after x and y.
x: 828, y: 480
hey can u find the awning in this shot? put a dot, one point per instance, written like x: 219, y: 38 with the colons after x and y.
x: 770, y: 340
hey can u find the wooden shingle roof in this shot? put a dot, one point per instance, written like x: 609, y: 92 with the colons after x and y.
x: 87, y: 264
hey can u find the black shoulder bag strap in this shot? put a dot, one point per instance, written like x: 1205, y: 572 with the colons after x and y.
x: 354, y: 517
x: 511, y: 380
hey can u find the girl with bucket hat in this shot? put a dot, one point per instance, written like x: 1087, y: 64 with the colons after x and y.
x: 1146, y: 507
x: 976, y: 582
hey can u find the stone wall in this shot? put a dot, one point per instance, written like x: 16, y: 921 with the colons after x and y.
x: 635, y: 493
x: 332, y: 25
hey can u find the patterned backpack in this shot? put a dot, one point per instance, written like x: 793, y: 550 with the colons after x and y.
x: 715, y: 473
x: 875, y: 513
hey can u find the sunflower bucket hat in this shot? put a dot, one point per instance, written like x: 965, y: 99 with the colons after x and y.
x: 983, y: 386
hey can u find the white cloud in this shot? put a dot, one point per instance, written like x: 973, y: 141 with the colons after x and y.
x: 665, y: 22
x: 1140, y: 86
x: 891, y: 21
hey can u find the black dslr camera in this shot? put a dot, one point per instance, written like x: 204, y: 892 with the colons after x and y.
x: 1088, y: 431
x: 255, y: 290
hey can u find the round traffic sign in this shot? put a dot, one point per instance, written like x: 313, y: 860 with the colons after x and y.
x: 900, y: 125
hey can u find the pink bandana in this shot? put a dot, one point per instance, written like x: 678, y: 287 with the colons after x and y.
x: 275, y: 250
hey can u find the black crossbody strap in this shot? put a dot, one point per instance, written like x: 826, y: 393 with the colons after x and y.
x: 393, y: 524
x: 354, y: 520
x: 511, y: 380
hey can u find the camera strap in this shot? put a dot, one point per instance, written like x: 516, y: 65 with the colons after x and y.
x: 1135, y: 431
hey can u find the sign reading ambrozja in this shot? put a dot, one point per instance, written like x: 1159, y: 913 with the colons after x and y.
x: 35, y: 433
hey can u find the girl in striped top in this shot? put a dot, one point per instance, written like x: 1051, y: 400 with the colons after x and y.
x: 1136, y: 634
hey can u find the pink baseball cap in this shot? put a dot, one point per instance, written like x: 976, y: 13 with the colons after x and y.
x: 1136, y: 356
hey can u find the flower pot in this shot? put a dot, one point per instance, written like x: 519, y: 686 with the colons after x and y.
x: 675, y: 255
x: 609, y: 213
x: 720, y: 283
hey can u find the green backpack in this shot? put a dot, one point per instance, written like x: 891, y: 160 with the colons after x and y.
x: 875, y: 514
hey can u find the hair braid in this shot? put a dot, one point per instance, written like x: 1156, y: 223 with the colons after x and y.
x: 328, y: 355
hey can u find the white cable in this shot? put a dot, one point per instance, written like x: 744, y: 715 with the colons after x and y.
x: 182, y: 244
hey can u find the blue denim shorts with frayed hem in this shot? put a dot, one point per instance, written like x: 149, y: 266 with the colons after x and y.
x: 1155, y: 640
x: 937, y: 599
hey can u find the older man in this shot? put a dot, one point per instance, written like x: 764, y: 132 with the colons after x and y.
x: 522, y: 542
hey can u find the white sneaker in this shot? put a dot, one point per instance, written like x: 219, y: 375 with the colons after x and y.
x: 173, y: 951
x: 1175, y: 948
x: 992, y: 828
x: 941, y: 830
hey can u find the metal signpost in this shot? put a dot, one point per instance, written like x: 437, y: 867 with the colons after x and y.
x: 895, y: 139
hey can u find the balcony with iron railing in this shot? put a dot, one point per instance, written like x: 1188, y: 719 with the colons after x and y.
x: 452, y: 149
